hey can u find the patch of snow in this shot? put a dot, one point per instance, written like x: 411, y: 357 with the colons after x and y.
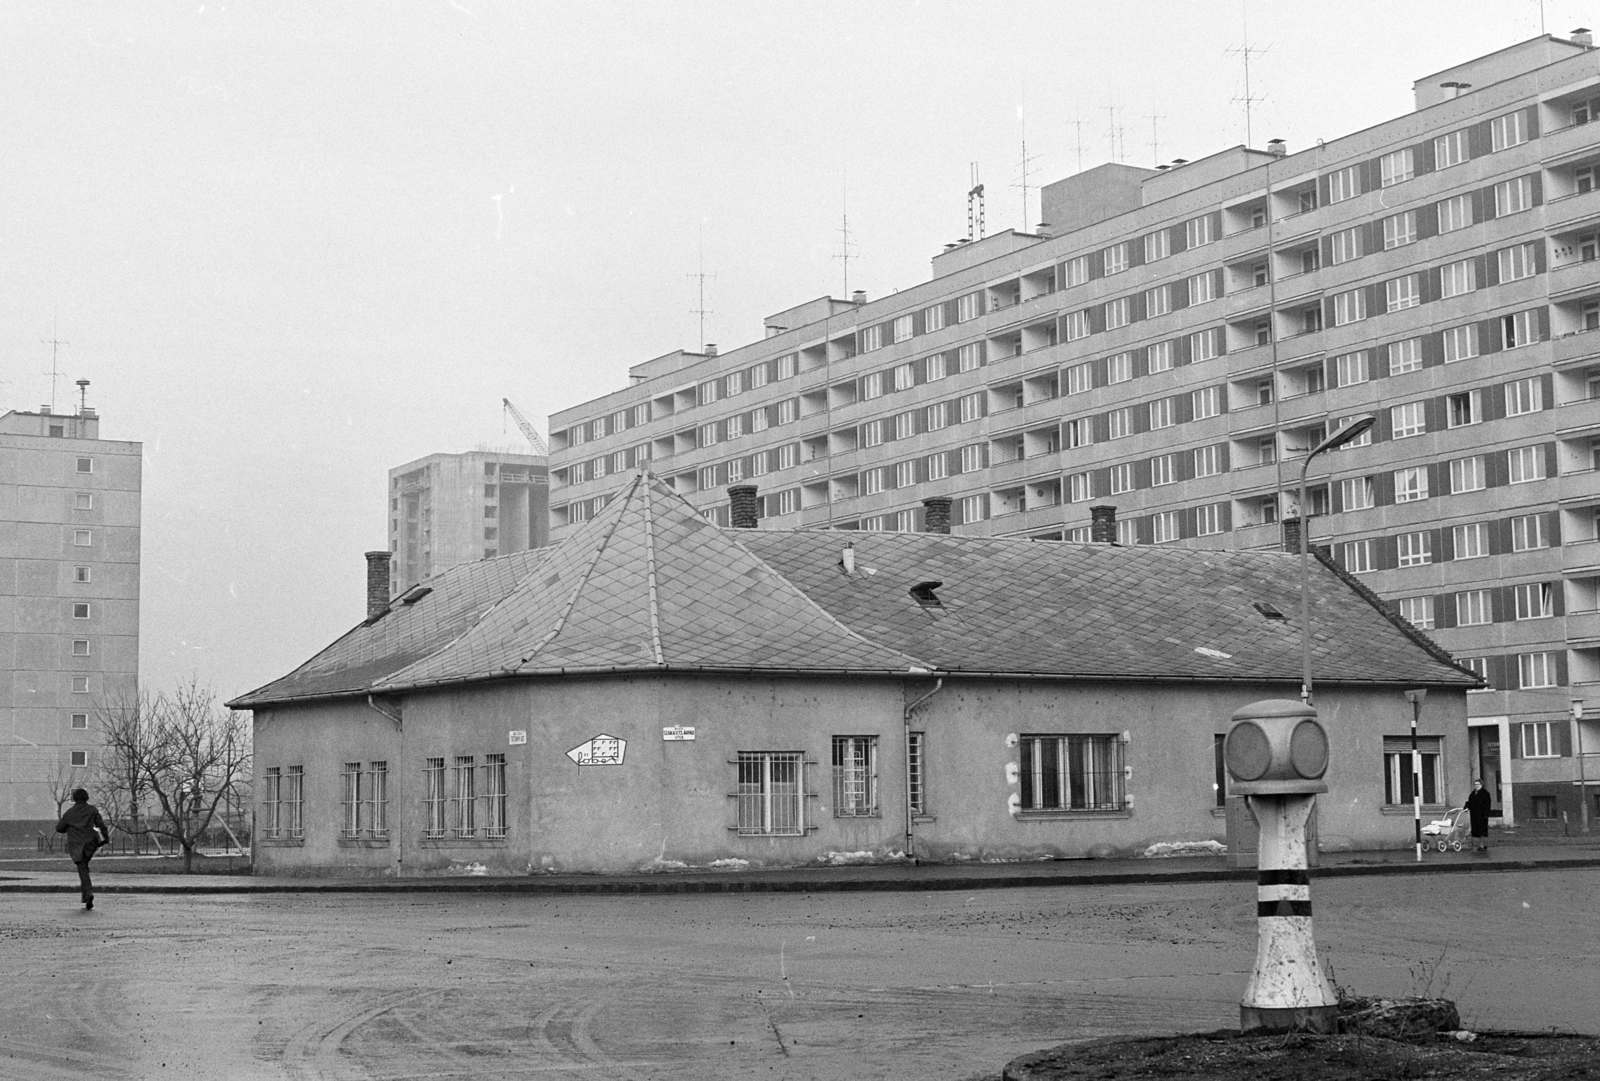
x: 730, y: 864
x: 840, y: 859
x: 1162, y: 849
x: 469, y: 869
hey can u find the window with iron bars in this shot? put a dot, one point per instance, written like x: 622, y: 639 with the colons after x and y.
x: 1072, y: 773
x: 771, y: 794
x: 917, y: 772
x: 855, y: 776
x: 433, y: 803
x: 464, y: 802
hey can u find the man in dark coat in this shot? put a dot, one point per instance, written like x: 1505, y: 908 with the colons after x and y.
x: 1478, y: 808
x: 86, y: 831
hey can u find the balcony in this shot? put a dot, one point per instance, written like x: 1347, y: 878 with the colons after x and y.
x: 1578, y: 418
x: 1571, y: 142
x: 1583, y: 628
x: 1577, y: 346
x: 1568, y: 210
x: 1580, y: 557
x: 1574, y: 279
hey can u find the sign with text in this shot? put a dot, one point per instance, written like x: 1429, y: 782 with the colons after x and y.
x: 519, y: 737
x: 677, y: 732
x: 602, y: 750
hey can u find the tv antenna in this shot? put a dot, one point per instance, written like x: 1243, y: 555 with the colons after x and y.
x: 700, y: 275
x: 1079, y: 125
x: 1026, y: 166
x: 1155, y: 142
x: 845, y: 246
x: 1114, y: 131
x: 975, y: 207
x: 1245, y: 52
x: 55, y: 345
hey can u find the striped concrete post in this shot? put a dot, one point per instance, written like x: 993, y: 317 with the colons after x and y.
x: 1288, y: 991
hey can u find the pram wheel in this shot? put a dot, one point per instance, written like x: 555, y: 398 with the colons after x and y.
x: 1456, y: 844
x: 1443, y: 844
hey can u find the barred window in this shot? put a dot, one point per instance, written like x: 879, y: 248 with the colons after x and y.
x: 272, y: 802
x: 350, y: 806
x: 1071, y: 773
x: 770, y: 798
x: 855, y: 776
x: 917, y: 771
x: 494, y: 795
x: 434, y: 802
x: 464, y: 801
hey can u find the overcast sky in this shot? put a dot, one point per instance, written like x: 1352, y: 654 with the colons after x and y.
x: 295, y: 244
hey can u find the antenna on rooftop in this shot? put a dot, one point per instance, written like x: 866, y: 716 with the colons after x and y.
x: 1113, y: 131
x: 1079, y: 125
x: 1244, y: 52
x: 1027, y: 163
x: 975, y: 207
x: 702, y: 311
x: 55, y: 345
x: 845, y: 254
x: 1155, y: 142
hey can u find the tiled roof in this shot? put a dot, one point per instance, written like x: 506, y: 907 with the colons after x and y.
x: 648, y: 585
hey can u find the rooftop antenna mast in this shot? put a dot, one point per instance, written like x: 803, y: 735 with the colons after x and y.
x: 1079, y: 125
x: 1155, y: 141
x: 975, y: 207
x: 845, y: 254
x: 1114, y: 132
x: 55, y: 345
x: 702, y: 311
x: 1027, y: 164
x: 1244, y: 52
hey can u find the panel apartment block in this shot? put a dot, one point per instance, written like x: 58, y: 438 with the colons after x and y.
x: 69, y: 600
x: 1172, y: 342
x: 447, y: 509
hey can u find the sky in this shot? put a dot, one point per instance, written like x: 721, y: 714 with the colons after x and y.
x: 296, y: 244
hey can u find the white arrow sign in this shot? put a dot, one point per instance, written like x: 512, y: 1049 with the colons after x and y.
x: 602, y: 750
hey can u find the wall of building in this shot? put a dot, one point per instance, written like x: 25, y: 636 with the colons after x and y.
x: 448, y: 509
x: 670, y: 804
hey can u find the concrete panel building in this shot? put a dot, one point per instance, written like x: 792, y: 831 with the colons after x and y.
x: 1173, y: 340
x: 69, y: 599
x: 448, y: 509
x: 657, y: 692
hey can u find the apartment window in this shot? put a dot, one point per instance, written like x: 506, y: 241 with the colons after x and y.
x: 1470, y: 541
x: 1519, y: 329
x: 1204, y: 345
x: 1398, y: 782
x: 1079, y: 488
x: 1115, y: 259
x: 1162, y: 470
x: 732, y: 384
x: 1159, y: 357
x: 1450, y: 149
x: 1119, y: 313
x: 905, y: 473
x: 937, y: 416
x: 1473, y: 608
x: 1344, y: 184
x: 1122, y: 479
x: 1359, y: 557
x: 1208, y: 520
x: 1525, y: 464
x: 80, y: 647
x: 905, y: 425
x: 82, y: 538
x: 975, y: 508
x: 1258, y: 273
x: 1400, y: 230
x: 770, y: 799
x: 1416, y: 550
x: 938, y: 466
x: 1164, y: 527
x: 1351, y: 368
x: 1199, y: 231
x: 855, y: 776
x: 971, y: 407
x: 1460, y: 343
x: 1162, y: 414
x: 1076, y: 271
x: 789, y: 501
x: 1528, y: 533
x: 1405, y: 356
x: 917, y: 771
x: 1071, y: 773
x: 1401, y: 293
x: 1464, y: 408
x: 85, y: 465
x: 934, y: 368
x: 872, y: 386
x: 81, y: 574
x: 1207, y: 402
x: 870, y: 338
x: 1350, y: 307
x: 1267, y: 449
x: 1157, y: 245
x: 1356, y: 493
x: 1508, y: 131
x: 80, y: 684
x: 1410, y: 484
x: 788, y: 364
x: 1533, y: 600
x: 1534, y: 737
x: 1584, y: 178
x: 709, y: 435
x: 905, y: 376
x: 1396, y: 167
x: 1455, y: 213
x: 872, y: 433
x: 1344, y: 246
x: 1417, y: 611
x: 1536, y: 670
x: 1458, y: 277
x: 933, y: 318
x: 1362, y: 440
x: 903, y: 327
x: 1080, y: 378
x: 1119, y: 422
x: 1518, y: 262
x: 1202, y: 288
x: 788, y: 410
x: 1408, y: 419
x: 1078, y: 432
x: 969, y: 357
x: 1119, y: 368
x: 1466, y: 474
x: 1513, y: 196
x: 1157, y: 301
x: 1207, y: 461
x: 973, y: 458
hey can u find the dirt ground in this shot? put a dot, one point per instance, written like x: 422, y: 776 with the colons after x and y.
x: 943, y: 986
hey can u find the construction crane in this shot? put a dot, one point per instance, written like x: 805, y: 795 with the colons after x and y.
x: 539, y: 446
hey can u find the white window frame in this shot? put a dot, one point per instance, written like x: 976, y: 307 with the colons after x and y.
x: 1357, y: 493
x: 1408, y: 419
x: 1451, y: 149
x: 1080, y: 378
x: 1474, y: 608
x: 1529, y: 533
x: 1207, y: 402
x: 1460, y: 343
x: 1163, y: 470
x: 855, y: 776
x: 1119, y: 312
x: 1119, y: 368
x: 1208, y: 519
x: 1202, y: 289
x: 1396, y: 167
x: 1415, y: 550
x: 1349, y: 307
x: 1467, y: 474
x: 1359, y: 556
x: 1114, y: 260
x: 1158, y: 357
x: 1207, y: 461
x: 1344, y: 184
x: 1513, y: 196
x: 770, y: 793
x: 1411, y: 484
x: 1517, y: 262
x: 1525, y: 464
x: 903, y: 328
x: 1401, y: 293
x: 1455, y: 213
x: 1536, y: 739
x: 1508, y: 131
x: 1533, y: 600
x: 1351, y: 368
x: 1400, y: 230
x: 1417, y: 611
x: 1535, y: 671
x: 1165, y: 527
x: 1470, y: 540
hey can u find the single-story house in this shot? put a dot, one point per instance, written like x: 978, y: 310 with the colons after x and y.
x: 657, y: 692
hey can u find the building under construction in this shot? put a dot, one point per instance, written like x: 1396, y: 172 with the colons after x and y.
x: 447, y: 509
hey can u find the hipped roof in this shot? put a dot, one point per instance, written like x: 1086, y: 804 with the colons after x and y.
x: 649, y: 586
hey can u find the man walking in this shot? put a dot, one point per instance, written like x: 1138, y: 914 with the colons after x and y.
x: 86, y: 831
x: 1478, y: 809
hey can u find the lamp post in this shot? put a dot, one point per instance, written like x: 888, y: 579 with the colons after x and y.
x: 1351, y: 430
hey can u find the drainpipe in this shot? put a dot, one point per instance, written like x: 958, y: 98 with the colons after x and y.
x: 911, y: 708
x: 392, y: 713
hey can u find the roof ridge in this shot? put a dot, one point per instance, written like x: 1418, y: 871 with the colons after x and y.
x: 583, y: 580
x: 650, y: 577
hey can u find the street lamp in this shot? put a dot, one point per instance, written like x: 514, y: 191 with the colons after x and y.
x: 1355, y: 427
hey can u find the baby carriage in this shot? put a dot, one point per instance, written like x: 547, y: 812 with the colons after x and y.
x: 1450, y: 831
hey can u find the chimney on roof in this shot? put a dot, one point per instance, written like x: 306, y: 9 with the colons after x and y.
x: 744, y: 506
x: 936, y: 514
x: 377, y: 584
x: 858, y: 297
x: 1291, y: 535
x: 847, y: 558
x: 1455, y: 89
x: 1103, y: 524
x: 1277, y: 148
x: 711, y: 349
x: 1581, y: 36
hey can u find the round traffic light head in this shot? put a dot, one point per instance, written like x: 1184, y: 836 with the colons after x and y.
x: 1276, y: 748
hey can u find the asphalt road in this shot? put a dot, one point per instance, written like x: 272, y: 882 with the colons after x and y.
x: 837, y: 985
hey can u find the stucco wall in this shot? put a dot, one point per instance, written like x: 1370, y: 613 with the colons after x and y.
x: 670, y: 804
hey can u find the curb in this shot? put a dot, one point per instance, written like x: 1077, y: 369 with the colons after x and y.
x: 666, y: 884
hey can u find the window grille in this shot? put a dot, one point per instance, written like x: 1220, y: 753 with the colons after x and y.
x: 855, y: 776
x: 769, y: 795
x: 434, y: 802
x: 494, y: 795
x: 1072, y: 773
x: 350, y: 806
x: 916, y: 769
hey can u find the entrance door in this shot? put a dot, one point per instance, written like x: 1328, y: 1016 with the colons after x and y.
x: 1486, y: 756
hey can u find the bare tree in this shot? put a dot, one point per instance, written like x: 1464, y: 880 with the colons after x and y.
x: 62, y: 782
x: 177, y: 755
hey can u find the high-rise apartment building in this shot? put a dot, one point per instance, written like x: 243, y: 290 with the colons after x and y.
x: 69, y: 600
x: 1172, y: 342
x: 447, y: 509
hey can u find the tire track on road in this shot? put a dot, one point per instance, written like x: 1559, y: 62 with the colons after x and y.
x: 312, y: 1053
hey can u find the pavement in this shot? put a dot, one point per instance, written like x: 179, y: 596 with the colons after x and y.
x: 1507, y: 853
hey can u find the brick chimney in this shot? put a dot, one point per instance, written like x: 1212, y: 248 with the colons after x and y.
x: 936, y: 514
x: 744, y: 506
x: 1103, y: 524
x: 377, y: 584
x: 1291, y: 535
